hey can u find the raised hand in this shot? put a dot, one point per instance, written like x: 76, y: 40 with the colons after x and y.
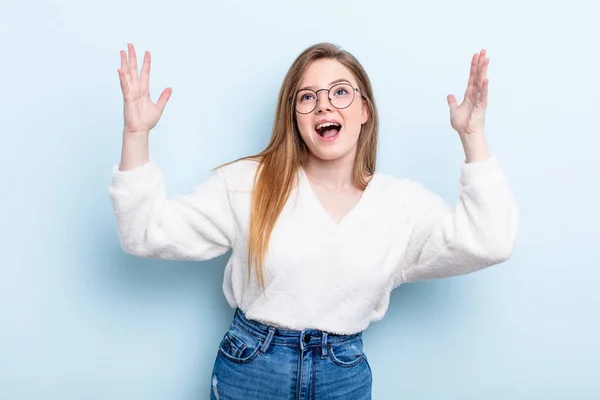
x: 468, y: 118
x: 140, y: 113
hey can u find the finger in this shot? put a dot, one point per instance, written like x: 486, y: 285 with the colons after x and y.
x: 124, y: 82
x: 124, y: 65
x: 452, y: 101
x: 484, y: 65
x: 133, y: 72
x: 481, y: 63
x: 125, y: 68
x: 471, y: 90
x: 483, y: 72
x: 473, y: 70
x: 482, y: 58
x: 483, y: 96
x: 164, y: 98
x: 145, y: 74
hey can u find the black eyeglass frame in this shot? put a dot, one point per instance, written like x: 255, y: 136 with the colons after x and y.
x: 291, y: 98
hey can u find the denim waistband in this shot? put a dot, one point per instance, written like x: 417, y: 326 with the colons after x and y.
x: 277, y: 335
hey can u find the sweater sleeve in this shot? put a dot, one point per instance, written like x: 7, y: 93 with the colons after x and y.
x: 479, y: 232
x: 195, y: 226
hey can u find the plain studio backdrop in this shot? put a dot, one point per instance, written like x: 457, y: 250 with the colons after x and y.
x: 80, y: 319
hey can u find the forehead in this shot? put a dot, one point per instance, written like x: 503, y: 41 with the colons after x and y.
x: 320, y: 73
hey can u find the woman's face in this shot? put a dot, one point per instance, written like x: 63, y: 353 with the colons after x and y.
x: 330, y: 133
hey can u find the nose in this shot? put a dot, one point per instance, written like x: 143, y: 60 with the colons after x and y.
x: 323, y: 103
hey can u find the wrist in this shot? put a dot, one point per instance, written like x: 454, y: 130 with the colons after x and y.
x: 475, y: 148
x: 136, y: 136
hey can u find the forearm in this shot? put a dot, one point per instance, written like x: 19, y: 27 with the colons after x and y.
x: 134, y: 151
x: 475, y: 147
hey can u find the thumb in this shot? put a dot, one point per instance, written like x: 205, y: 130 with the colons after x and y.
x: 164, y: 98
x: 452, y: 101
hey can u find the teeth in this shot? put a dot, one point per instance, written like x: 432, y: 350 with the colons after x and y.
x: 326, y: 124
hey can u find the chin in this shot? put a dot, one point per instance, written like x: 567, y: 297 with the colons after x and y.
x: 332, y: 154
x: 341, y: 145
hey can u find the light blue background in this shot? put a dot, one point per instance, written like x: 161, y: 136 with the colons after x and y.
x: 80, y: 319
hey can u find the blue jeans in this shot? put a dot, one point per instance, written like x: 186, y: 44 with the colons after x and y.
x: 257, y: 361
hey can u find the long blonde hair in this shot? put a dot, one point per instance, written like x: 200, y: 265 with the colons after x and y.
x: 286, y: 152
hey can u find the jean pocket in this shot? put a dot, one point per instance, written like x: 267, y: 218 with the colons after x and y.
x: 239, y: 346
x: 347, y: 354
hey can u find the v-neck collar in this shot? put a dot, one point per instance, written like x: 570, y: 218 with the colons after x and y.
x: 324, y: 214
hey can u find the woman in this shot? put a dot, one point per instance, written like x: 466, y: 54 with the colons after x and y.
x: 319, y: 239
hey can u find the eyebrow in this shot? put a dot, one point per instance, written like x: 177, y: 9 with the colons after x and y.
x: 330, y: 84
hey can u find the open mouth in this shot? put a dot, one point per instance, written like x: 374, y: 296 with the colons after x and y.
x: 328, y: 130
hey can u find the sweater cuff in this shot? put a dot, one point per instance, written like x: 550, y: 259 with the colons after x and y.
x: 136, y: 177
x: 481, y: 172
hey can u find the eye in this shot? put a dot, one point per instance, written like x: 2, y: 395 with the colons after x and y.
x: 305, y: 96
x: 341, y: 92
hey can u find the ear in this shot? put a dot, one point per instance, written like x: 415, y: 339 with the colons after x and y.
x: 365, y: 111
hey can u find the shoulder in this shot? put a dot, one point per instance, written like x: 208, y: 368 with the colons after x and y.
x: 238, y: 174
x: 401, y: 191
x: 389, y: 183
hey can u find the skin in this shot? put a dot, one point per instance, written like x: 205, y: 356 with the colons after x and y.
x: 141, y: 114
x: 330, y: 163
x: 468, y: 118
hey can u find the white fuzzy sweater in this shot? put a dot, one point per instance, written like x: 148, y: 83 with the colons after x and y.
x: 320, y: 274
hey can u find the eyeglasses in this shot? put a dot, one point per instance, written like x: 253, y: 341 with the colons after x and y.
x: 340, y: 96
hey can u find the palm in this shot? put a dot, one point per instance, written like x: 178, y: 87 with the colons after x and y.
x: 469, y: 117
x: 140, y: 113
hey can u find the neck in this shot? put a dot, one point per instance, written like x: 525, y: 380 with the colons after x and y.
x: 335, y: 174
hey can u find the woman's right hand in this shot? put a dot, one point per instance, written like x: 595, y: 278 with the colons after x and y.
x: 140, y: 113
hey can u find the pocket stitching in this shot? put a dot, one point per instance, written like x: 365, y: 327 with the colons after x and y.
x: 337, y: 361
x: 238, y: 359
x: 236, y: 343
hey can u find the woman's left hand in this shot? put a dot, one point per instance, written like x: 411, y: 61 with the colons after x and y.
x: 468, y: 118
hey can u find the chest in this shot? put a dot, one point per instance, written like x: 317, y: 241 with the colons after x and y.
x: 352, y: 240
x: 336, y: 203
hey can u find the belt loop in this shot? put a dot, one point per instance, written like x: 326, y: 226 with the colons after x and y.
x: 324, y: 345
x: 265, y: 346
